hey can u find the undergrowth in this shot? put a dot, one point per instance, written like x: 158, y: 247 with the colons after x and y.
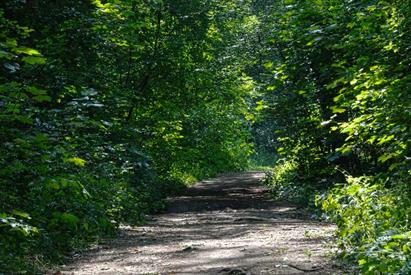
x: 373, y: 220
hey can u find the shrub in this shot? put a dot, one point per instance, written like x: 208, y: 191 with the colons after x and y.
x: 373, y: 224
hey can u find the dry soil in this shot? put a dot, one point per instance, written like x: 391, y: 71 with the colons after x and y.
x: 228, y: 225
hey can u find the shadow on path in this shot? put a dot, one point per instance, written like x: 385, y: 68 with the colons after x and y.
x: 228, y: 225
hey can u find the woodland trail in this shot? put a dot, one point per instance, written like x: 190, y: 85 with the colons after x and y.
x: 227, y: 225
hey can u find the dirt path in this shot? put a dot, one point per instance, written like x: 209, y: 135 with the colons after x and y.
x: 223, y: 226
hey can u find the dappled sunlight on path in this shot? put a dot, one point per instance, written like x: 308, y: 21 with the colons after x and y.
x: 228, y: 225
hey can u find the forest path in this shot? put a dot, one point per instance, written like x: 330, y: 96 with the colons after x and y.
x: 228, y: 225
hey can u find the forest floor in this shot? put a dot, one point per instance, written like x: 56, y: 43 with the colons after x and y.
x: 228, y: 225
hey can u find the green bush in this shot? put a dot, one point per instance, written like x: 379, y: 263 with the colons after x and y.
x: 285, y: 183
x: 99, y: 119
x: 373, y: 224
x: 289, y: 180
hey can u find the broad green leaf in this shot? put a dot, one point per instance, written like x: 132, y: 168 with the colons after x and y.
x: 5, y: 55
x: 362, y: 262
x: 385, y: 139
x: 76, y: 161
x: 337, y: 110
x: 36, y: 91
x: 42, y: 98
x: 25, y: 50
x: 34, y: 60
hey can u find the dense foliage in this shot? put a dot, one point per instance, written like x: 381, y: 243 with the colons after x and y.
x: 106, y: 107
x: 337, y: 92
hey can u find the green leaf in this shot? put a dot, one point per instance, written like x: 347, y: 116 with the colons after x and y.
x: 6, y: 55
x: 385, y: 139
x: 34, y: 60
x: 281, y: 150
x: 42, y: 98
x: 11, y: 42
x: 76, y: 161
x: 260, y: 106
x: 337, y: 110
x: 68, y: 218
x: 387, y: 156
x: 36, y: 91
x: 362, y: 262
x: 21, y: 214
x: 24, y: 119
x: 25, y: 50
x: 268, y: 65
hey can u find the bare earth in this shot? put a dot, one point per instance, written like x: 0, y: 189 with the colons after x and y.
x: 227, y: 225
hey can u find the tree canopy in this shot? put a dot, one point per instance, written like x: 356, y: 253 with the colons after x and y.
x: 106, y: 107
